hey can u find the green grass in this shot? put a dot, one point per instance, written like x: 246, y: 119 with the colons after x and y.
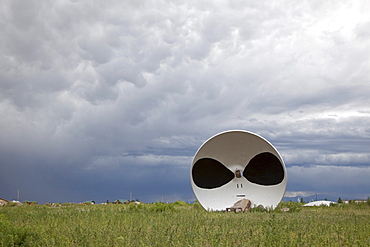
x: 178, y: 224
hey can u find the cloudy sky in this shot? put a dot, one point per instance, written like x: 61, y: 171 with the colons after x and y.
x: 100, y: 100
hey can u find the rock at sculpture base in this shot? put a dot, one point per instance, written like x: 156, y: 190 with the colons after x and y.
x: 240, y: 206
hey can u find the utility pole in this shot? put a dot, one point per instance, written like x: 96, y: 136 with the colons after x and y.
x: 18, y: 196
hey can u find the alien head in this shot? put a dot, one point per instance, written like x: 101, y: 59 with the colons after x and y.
x: 237, y: 164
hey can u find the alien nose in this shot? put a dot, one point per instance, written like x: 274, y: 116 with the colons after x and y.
x: 238, y: 173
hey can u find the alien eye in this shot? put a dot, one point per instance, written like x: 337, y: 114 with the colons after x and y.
x: 264, y: 169
x: 210, y: 174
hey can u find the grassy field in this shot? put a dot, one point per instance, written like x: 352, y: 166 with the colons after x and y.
x: 179, y: 224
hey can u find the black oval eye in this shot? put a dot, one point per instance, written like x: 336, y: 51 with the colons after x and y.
x: 264, y: 169
x: 210, y: 174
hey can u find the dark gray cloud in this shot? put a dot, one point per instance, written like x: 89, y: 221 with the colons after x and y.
x: 99, y: 99
x: 333, y: 180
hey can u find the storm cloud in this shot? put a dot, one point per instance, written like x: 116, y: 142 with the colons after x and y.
x: 100, y: 100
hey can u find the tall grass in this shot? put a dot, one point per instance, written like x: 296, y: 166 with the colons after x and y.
x: 179, y: 224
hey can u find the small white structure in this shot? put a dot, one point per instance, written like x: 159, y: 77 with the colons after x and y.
x: 319, y: 203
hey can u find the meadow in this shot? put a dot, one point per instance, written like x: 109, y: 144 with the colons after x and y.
x: 180, y: 224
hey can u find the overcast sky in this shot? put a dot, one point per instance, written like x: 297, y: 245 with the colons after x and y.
x: 101, y: 99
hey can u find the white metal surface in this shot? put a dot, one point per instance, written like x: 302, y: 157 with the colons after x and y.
x: 235, y: 149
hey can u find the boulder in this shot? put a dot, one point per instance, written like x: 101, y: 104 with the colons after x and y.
x: 285, y: 209
x: 240, y: 206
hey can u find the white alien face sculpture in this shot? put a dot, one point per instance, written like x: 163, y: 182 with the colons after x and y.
x: 234, y: 165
